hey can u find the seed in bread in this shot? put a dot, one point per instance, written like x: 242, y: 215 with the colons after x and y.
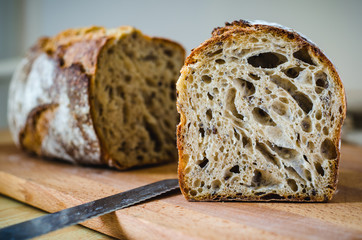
x: 261, y: 114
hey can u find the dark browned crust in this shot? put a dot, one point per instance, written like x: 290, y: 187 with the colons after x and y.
x: 36, y: 128
x: 76, y: 59
x: 242, y: 27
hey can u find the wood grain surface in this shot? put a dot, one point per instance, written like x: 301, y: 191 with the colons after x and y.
x: 52, y: 185
x: 12, y: 212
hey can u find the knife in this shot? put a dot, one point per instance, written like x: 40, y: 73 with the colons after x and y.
x: 71, y: 216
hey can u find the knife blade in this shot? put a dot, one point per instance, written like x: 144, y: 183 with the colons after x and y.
x: 71, y: 216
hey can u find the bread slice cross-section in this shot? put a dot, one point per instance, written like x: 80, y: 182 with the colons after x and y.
x: 261, y: 114
x: 98, y: 96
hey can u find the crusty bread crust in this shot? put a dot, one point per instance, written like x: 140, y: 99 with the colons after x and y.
x: 220, y: 35
x: 50, y: 113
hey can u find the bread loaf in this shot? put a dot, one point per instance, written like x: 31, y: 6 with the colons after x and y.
x: 98, y: 96
x: 261, y: 114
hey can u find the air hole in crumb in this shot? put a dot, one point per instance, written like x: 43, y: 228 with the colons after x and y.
x: 304, y: 56
x: 211, y: 54
x: 150, y: 57
x: 310, y: 145
x: 292, y: 172
x: 340, y: 110
x: 230, y: 103
x: 120, y: 91
x: 305, y: 158
x: 267, y: 60
x: 253, y: 39
x: 246, y: 141
x: 286, y: 153
x: 284, y: 100
x: 100, y: 109
x: 318, y: 115
x: 318, y: 127
x: 272, y: 196
x: 170, y: 65
x: 298, y: 140
x: 262, y: 117
x: 227, y: 175
x: 319, y: 168
x: 187, y: 170
x: 193, y: 193
x: 173, y: 95
x: 125, y: 112
x: 206, y: 78
x: 261, y: 147
x: 154, y: 135
x: 128, y: 78
x: 210, y: 96
x: 321, y: 80
x: 318, y: 90
x: 216, y: 184
x: 302, y: 100
x: 293, y: 72
x: 196, y: 183
x: 292, y: 184
x: 308, y: 175
x: 246, y: 88
x: 259, y: 193
x: 203, y: 162
x: 328, y: 149
x: 300, y: 113
x: 109, y: 90
x: 167, y: 124
x: 220, y: 61
x: 256, y: 180
x: 254, y: 76
x: 149, y: 81
x: 325, y: 131
x: 168, y: 52
x: 209, y: 114
x: 279, y: 108
x: 307, y: 124
x: 202, y: 131
x: 235, y: 169
x: 236, y: 134
x: 60, y: 61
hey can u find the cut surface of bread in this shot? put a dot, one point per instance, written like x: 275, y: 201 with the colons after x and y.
x: 98, y: 96
x: 134, y: 99
x: 261, y: 113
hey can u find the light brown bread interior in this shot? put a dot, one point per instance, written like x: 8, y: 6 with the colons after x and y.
x: 261, y: 111
x: 134, y: 100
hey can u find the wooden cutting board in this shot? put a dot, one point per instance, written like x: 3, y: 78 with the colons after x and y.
x: 52, y: 186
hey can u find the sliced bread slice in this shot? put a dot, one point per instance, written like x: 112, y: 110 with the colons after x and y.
x: 261, y: 114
